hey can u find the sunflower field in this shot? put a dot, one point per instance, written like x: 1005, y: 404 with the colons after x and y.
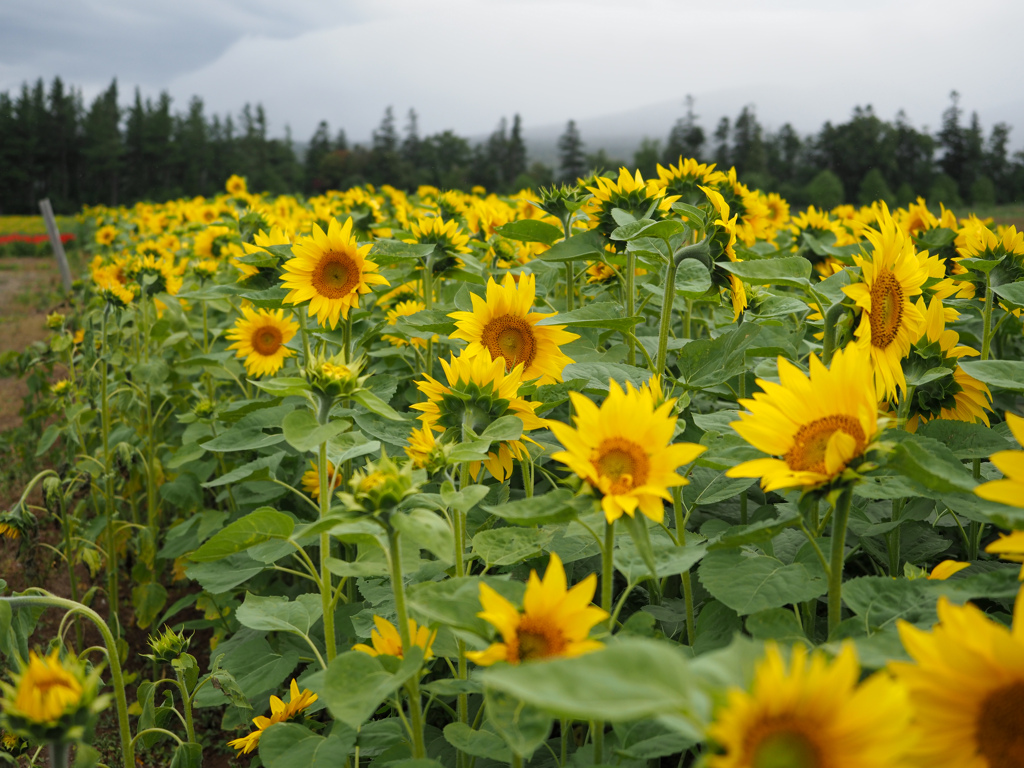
x: 628, y: 473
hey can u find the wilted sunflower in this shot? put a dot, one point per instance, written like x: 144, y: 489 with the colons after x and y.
x: 813, y: 715
x: 1009, y: 490
x: 330, y: 271
x: 479, y: 391
x: 966, y: 687
x: 817, y: 425
x: 889, y: 321
x: 387, y: 640
x: 623, y: 450
x: 555, y: 621
x: 506, y: 327
x: 260, y: 337
x: 279, y: 713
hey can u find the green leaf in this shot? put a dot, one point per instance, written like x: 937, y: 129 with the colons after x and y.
x: 668, y: 559
x: 693, y: 279
x: 290, y: 745
x: 224, y: 575
x: 614, y: 684
x: 456, y: 602
x: 980, y: 265
x: 931, y: 464
x: 752, y: 583
x: 556, y: 506
x: 304, y: 433
x: 649, y: 228
x: 187, y: 755
x: 709, y: 487
x: 507, y: 546
x: 261, y: 525
x: 504, y: 428
x: 586, y: 245
x: 387, y: 251
x: 1004, y: 374
x: 524, y: 728
x: 283, y: 386
x: 598, y: 374
x: 477, y: 743
x: 375, y: 405
x: 709, y: 362
x: 530, y: 231
x: 793, y: 271
x: 356, y: 683
x: 242, y: 439
x: 966, y: 441
x: 776, y: 624
x: 429, y: 530
x: 601, y: 314
x: 428, y: 321
x: 259, y: 469
x: 153, y: 373
x: 1012, y: 294
x: 279, y: 614
x: 148, y: 599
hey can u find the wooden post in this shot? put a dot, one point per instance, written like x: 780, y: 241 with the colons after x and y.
x: 55, y: 242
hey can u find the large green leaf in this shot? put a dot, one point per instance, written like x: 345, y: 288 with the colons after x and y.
x: 793, y: 271
x: 752, y: 583
x: 356, y: 683
x: 708, y: 486
x: 242, y: 439
x: 304, y: 433
x: 477, y: 743
x: 586, y: 245
x: 630, y: 679
x: 598, y: 374
x: 256, y: 527
x: 280, y: 614
x: 428, y: 530
x: 524, y: 728
x: 931, y: 464
x: 601, y: 314
x: 1003, y: 374
x: 709, y: 362
x: 530, y: 231
x: 556, y: 506
x: 507, y: 546
x: 965, y: 440
x: 290, y: 745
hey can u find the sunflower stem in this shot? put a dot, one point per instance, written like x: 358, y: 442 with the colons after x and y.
x: 686, y: 319
x: 413, y: 686
x: 630, y: 302
x: 326, y: 578
x: 893, y: 539
x: 307, y: 356
x: 570, y: 288
x: 186, y: 703
x: 112, y: 564
x: 840, y: 519
x: 986, y: 318
x: 59, y: 754
x: 828, y: 342
x: 666, y: 316
x: 428, y: 303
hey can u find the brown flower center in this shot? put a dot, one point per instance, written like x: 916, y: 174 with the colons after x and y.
x: 335, y: 275
x: 512, y: 338
x: 266, y: 340
x: 782, y: 744
x: 811, y: 442
x: 536, y: 639
x: 1000, y: 727
x: 886, y: 314
x: 624, y: 462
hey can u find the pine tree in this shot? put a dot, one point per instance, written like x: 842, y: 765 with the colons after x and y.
x: 571, y: 159
x: 686, y: 139
x: 515, y: 155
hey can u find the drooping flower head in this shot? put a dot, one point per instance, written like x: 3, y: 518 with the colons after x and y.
x: 259, y: 337
x: 722, y: 242
x: 624, y: 450
x: 555, y: 621
x: 889, y: 320
x: 813, y: 714
x: 966, y: 685
x: 387, y: 640
x: 812, y: 426
x: 478, y: 392
x: 505, y: 327
x: 1009, y: 490
x: 280, y: 711
x: 330, y: 271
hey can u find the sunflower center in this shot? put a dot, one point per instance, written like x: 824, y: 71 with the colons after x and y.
x: 335, y: 275
x: 536, y: 639
x: 785, y: 747
x: 623, y: 462
x: 510, y: 337
x: 886, y: 314
x: 266, y: 340
x: 1000, y: 727
x: 811, y: 442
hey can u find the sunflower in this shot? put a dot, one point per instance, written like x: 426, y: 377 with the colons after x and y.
x: 947, y: 568
x: 1009, y: 490
x: 279, y: 713
x: 423, y: 450
x: 261, y: 242
x: 479, y: 391
x: 889, y: 321
x: 966, y: 688
x: 813, y: 715
x: 447, y: 236
x: 387, y: 641
x: 554, y: 622
x: 631, y: 194
x: 505, y: 327
x: 778, y: 210
x: 48, y: 688
x: 822, y: 227
x: 405, y: 309
x: 9, y: 531
x: 623, y: 450
x: 106, y: 235
x: 1009, y: 546
x: 684, y: 178
x: 260, y: 337
x: 722, y: 239
x: 754, y: 217
x: 311, y: 479
x: 817, y: 424
x: 236, y: 185
x: 957, y: 397
x: 329, y: 271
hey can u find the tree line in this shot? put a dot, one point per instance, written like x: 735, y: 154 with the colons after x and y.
x: 52, y: 145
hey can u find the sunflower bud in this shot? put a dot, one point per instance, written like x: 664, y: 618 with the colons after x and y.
x: 335, y: 377
x: 167, y: 646
x: 381, y: 486
x: 561, y: 201
x: 52, y: 699
x: 55, y: 321
x: 204, y: 408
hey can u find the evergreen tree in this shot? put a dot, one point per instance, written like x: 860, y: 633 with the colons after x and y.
x: 515, y: 154
x: 748, y: 153
x: 645, y: 159
x: 319, y: 147
x: 571, y: 160
x: 102, y: 149
x: 953, y: 141
x: 722, y: 154
x: 686, y: 139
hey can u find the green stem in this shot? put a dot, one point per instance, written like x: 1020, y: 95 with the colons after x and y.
x: 835, y: 577
x: 630, y: 302
x: 69, y: 554
x: 59, y: 754
x: 186, y: 701
x: 986, y: 318
x: 112, y: 564
x: 680, y: 523
x: 428, y: 302
x: 413, y: 686
x: 307, y: 355
x: 608, y: 570
x: 828, y: 344
x: 116, y: 678
x: 326, y: 577
x: 686, y: 319
x: 570, y: 287
x: 666, y: 316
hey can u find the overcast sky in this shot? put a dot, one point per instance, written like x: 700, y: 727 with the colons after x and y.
x: 462, y: 64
